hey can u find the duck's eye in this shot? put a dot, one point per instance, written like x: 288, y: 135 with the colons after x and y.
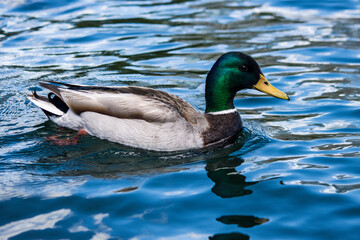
x: 244, y: 68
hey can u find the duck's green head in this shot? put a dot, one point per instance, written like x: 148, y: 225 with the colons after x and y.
x: 232, y: 72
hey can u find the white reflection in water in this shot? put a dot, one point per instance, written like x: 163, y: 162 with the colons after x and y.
x: 40, y: 222
x: 19, y: 184
x: 327, y: 187
x: 191, y: 235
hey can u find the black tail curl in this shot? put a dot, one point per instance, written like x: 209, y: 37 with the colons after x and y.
x: 60, y: 104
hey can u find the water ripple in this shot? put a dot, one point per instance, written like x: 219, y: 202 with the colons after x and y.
x: 301, y: 153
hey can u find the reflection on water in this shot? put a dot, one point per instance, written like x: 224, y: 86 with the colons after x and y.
x: 227, y: 236
x: 240, y: 221
x: 39, y: 222
x: 294, y: 159
x: 228, y: 182
x: 117, y: 160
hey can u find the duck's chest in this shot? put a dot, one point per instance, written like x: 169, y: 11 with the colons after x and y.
x: 223, y: 128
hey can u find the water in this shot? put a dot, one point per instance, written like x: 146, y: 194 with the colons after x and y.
x: 293, y: 174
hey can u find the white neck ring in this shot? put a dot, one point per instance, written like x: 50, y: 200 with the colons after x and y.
x: 223, y: 112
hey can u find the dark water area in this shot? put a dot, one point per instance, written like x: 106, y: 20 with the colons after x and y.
x: 293, y: 174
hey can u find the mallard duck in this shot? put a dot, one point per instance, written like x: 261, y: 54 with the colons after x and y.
x: 151, y: 119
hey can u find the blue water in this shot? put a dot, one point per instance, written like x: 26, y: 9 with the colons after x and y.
x: 293, y: 174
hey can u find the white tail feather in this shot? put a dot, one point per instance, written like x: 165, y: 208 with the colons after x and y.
x: 45, y: 105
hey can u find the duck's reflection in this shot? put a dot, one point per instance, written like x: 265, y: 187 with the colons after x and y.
x: 102, y: 159
x: 228, y: 182
x: 230, y: 236
x: 242, y: 221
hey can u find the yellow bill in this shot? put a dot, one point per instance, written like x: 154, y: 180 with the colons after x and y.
x: 264, y: 86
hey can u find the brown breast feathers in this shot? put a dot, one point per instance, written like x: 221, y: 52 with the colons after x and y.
x: 223, y: 129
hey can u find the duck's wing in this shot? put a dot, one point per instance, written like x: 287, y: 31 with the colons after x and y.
x: 126, y: 102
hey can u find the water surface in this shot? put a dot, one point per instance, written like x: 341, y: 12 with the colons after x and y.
x: 293, y: 173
